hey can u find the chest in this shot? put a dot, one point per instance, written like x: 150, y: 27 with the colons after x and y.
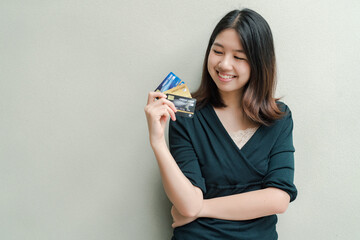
x: 234, y: 120
x: 222, y: 162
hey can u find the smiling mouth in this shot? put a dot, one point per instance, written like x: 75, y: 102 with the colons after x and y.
x: 225, y: 77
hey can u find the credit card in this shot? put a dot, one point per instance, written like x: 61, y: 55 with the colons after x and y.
x: 185, y: 106
x: 169, y: 82
x: 180, y: 90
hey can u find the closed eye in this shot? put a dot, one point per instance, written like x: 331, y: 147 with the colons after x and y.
x: 240, y: 58
x: 217, y: 52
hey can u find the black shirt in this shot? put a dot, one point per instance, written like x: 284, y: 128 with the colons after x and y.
x: 211, y: 160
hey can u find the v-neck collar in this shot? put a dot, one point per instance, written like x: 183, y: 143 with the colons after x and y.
x: 247, y: 145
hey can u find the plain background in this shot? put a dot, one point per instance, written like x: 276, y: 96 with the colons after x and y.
x: 74, y: 77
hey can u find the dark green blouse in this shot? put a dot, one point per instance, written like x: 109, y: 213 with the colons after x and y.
x: 211, y: 160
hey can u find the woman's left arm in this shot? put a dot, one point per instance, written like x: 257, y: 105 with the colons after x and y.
x: 243, y: 206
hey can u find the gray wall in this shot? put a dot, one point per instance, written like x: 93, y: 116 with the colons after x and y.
x: 74, y: 77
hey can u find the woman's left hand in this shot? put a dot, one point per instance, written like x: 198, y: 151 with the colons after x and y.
x: 178, y: 219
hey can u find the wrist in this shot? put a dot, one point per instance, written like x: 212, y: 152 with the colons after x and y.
x: 156, y: 144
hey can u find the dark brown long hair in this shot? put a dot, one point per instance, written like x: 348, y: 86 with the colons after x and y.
x: 258, y: 100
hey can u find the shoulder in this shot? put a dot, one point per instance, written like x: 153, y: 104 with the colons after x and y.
x: 283, y: 107
x: 286, y: 118
x: 282, y: 130
x: 286, y: 122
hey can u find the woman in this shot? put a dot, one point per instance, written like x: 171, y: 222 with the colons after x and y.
x: 230, y: 169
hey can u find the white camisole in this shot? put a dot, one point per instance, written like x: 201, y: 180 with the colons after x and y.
x: 242, y: 136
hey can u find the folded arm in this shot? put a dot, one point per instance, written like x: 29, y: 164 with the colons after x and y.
x: 243, y: 206
x: 247, y: 205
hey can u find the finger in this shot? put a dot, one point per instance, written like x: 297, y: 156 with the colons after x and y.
x: 153, y: 95
x: 171, y: 104
x: 164, y: 101
x: 163, y: 115
x: 161, y: 108
x: 157, y: 110
x: 171, y: 112
x: 166, y: 111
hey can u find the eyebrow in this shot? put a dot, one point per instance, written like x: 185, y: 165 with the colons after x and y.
x: 219, y: 45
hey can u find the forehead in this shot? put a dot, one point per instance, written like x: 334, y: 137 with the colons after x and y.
x: 230, y: 39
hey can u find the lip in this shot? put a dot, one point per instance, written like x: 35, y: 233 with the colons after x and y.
x: 225, y: 79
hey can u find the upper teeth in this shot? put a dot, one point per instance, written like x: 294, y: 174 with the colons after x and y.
x: 225, y: 76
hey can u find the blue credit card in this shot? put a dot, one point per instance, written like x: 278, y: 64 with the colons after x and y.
x: 169, y: 82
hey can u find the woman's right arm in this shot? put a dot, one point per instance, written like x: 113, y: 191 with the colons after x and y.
x: 187, y: 198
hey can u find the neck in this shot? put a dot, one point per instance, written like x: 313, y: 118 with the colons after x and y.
x: 232, y: 99
x: 234, y: 108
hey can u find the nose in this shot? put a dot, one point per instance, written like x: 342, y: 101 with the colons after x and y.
x: 225, y: 64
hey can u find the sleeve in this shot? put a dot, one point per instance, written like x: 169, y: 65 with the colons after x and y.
x: 184, y: 154
x: 281, y: 163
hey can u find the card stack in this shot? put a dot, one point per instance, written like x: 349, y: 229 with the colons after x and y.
x: 177, y: 92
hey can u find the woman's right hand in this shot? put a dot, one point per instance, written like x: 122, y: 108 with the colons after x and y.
x: 158, y: 110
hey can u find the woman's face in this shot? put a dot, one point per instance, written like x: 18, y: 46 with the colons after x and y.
x: 227, y: 63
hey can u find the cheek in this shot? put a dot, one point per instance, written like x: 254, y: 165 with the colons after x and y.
x: 211, y: 63
x: 244, y: 68
x: 248, y: 69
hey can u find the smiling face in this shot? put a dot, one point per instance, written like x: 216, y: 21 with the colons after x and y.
x: 227, y: 62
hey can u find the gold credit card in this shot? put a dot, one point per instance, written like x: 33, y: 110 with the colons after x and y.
x: 180, y: 90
